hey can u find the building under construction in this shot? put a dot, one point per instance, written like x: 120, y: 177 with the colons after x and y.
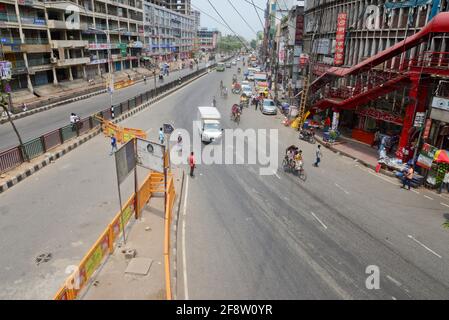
x: 382, y: 67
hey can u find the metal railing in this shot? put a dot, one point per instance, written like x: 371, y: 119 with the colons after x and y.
x: 14, y: 157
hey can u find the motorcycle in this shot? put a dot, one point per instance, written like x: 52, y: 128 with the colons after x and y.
x: 161, y: 78
x: 308, y: 136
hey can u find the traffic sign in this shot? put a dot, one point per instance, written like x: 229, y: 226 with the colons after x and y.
x: 168, y: 128
x: 5, y: 70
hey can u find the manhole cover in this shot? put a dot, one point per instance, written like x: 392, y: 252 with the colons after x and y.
x: 42, y: 258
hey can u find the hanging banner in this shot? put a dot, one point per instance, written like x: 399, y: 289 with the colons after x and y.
x: 339, y: 57
x: 427, y: 129
x: 426, y: 156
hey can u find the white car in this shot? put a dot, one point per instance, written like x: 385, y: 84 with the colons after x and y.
x: 268, y: 107
x: 247, y: 90
x: 234, y: 63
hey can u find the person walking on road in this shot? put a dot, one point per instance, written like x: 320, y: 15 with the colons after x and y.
x: 161, y: 136
x: 192, y: 163
x: 113, y: 145
x: 318, y: 155
x: 408, y: 177
x: 257, y: 103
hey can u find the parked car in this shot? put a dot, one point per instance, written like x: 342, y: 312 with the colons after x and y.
x: 268, y: 107
x: 228, y: 64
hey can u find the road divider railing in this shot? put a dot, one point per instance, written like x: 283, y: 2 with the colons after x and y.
x: 105, y: 244
x: 15, y: 156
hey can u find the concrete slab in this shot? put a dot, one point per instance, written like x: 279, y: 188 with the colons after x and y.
x: 139, y: 266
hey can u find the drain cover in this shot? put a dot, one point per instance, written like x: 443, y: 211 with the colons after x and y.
x: 42, y: 258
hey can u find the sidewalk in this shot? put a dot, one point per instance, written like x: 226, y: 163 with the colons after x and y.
x: 142, y: 277
x: 139, y: 278
x: 352, y: 148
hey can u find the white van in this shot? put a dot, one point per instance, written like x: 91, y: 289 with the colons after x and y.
x: 209, y: 126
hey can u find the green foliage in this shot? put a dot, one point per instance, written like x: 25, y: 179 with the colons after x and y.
x: 446, y: 225
x: 253, y: 44
x: 229, y: 43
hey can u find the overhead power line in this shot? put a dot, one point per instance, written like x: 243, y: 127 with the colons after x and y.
x: 263, y: 10
x: 249, y: 26
x: 263, y: 26
x: 238, y: 37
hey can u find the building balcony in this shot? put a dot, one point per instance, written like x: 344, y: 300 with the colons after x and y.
x: 35, y: 48
x: 12, y: 18
x: 72, y: 62
x: 59, y: 24
x: 56, y: 44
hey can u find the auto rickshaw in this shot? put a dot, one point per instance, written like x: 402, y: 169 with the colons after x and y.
x: 236, y: 88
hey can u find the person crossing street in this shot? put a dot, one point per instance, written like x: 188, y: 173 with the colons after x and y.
x: 192, y: 164
x: 318, y: 155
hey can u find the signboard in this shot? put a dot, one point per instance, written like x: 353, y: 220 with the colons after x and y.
x: 168, y: 128
x: 98, y: 46
x: 426, y: 156
x: 340, y: 39
x: 125, y: 161
x: 150, y: 155
x: 5, y: 70
x: 427, y: 129
x: 440, y: 103
x: 335, y: 120
x: 420, y: 117
x: 381, y: 115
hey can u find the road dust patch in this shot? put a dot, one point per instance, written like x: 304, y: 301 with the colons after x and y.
x: 43, y: 258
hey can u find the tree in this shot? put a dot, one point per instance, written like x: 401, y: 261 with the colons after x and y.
x: 253, y: 44
x: 4, y: 102
x: 230, y: 43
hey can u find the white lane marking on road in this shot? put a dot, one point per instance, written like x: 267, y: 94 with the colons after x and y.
x: 276, y: 174
x: 393, y: 298
x: 184, y: 214
x: 321, y: 222
x: 443, y: 204
x: 415, y: 191
x: 424, y: 246
x: 339, y: 187
x: 380, y: 177
x: 428, y: 197
x: 396, y: 282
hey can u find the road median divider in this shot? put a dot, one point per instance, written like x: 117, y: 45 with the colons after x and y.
x: 13, y: 158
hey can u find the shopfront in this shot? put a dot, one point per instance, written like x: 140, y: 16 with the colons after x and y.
x: 365, y: 122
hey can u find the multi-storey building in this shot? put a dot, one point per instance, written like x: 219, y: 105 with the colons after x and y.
x: 169, y: 35
x: 208, y: 39
x: 381, y: 82
x: 52, y: 41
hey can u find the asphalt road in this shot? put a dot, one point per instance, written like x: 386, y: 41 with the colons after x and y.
x: 243, y: 236
x: 38, y: 124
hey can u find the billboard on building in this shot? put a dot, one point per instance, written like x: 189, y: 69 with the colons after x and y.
x: 339, y: 57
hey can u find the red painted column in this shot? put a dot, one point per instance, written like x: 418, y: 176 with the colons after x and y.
x: 415, y: 95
